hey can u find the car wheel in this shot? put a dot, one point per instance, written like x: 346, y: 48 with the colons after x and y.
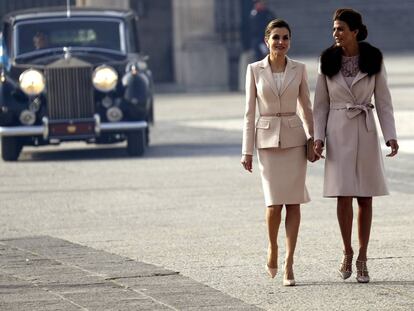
x: 10, y: 148
x: 151, y: 113
x: 136, y: 143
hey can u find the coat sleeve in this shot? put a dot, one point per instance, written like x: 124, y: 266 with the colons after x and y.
x: 305, y: 105
x: 321, y: 107
x: 383, y: 104
x: 249, y: 114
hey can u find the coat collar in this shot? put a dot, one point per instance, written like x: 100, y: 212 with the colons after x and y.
x: 290, y: 73
x: 370, y: 60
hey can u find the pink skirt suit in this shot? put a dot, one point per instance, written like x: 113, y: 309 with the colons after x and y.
x: 278, y: 133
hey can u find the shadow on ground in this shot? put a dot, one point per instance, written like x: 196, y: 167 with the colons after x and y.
x: 119, y: 152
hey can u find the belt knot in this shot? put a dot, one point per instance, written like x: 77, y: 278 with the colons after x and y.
x: 353, y: 110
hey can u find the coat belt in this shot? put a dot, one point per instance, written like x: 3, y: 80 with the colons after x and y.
x: 353, y: 110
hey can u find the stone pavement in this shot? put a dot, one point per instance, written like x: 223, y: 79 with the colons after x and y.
x: 45, y: 273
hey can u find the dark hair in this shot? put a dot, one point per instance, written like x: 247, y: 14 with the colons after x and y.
x: 354, y: 21
x: 276, y: 23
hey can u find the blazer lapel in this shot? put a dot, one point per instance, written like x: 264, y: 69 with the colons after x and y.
x: 290, y: 73
x: 267, y: 74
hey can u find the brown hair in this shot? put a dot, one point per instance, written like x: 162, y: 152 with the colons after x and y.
x: 276, y: 23
x: 354, y: 21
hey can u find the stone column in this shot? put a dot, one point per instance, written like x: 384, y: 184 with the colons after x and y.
x: 200, y: 59
x: 119, y: 4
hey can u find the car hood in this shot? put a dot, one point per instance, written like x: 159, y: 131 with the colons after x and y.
x: 94, y: 58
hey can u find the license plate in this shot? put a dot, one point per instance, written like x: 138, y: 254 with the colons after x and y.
x: 72, y: 129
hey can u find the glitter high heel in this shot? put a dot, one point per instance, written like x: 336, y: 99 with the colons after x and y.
x: 345, y: 270
x: 362, y: 271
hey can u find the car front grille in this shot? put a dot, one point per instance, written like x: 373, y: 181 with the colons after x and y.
x: 69, y: 90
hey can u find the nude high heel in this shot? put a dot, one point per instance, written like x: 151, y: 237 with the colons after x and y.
x: 288, y: 282
x: 271, y: 271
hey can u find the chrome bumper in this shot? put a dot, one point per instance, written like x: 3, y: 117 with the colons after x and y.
x: 43, y: 130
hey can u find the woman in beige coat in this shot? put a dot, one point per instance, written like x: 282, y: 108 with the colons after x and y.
x: 274, y: 85
x: 352, y: 73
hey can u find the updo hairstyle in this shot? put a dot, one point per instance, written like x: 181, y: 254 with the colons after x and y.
x: 354, y: 21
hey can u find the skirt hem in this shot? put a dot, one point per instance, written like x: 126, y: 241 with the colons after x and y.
x: 287, y: 203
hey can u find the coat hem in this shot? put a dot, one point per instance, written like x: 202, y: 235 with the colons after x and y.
x: 355, y: 195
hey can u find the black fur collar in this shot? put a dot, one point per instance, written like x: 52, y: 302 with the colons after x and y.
x: 370, y: 60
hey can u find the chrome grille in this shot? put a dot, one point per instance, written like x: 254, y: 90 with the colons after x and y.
x: 69, y: 90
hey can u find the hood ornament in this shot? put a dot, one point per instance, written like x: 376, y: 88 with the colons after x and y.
x: 66, y: 50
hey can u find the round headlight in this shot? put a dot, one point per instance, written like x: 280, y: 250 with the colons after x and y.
x: 105, y: 78
x: 32, y: 82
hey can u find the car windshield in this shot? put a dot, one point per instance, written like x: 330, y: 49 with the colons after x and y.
x: 75, y: 32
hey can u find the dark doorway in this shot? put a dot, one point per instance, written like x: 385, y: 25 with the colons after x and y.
x: 156, y: 32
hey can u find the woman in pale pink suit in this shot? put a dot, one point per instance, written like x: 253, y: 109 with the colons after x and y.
x: 351, y: 73
x: 275, y: 85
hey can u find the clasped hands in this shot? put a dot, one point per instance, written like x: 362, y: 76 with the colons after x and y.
x: 247, y: 159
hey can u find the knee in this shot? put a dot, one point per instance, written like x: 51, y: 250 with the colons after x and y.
x: 293, y: 209
x: 274, y: 210
x: 344, y: 202
x: 364, y: 201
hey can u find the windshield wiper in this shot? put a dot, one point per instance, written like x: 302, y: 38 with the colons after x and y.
x: 88, y: 49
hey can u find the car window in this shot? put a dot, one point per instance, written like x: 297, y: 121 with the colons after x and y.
x: 133, y: 36
x: 36, y: 35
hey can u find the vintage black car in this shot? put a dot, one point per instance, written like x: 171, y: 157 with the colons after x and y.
x: 73, y: 74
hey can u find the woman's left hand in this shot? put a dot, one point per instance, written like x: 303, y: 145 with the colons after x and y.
x: 394, y: 147
x: 318, y: 149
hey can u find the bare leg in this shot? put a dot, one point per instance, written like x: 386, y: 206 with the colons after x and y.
x: 292, y: 223
x: 273, y: 218
x: 364, y: 225
x: 345, y: 215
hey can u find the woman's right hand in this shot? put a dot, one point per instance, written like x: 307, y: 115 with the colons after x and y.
x: 247, y: 162
x: 318, y: 148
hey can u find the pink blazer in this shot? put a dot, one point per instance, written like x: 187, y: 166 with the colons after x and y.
x: 272, y: 130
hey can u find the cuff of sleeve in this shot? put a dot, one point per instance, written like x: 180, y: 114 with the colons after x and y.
x: 316, y: 137
x: 387, y: 139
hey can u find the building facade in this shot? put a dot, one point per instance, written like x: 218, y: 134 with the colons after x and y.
x: 198, y: 45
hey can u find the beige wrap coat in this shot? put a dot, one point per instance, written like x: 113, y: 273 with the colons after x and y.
x: 343, y: 116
